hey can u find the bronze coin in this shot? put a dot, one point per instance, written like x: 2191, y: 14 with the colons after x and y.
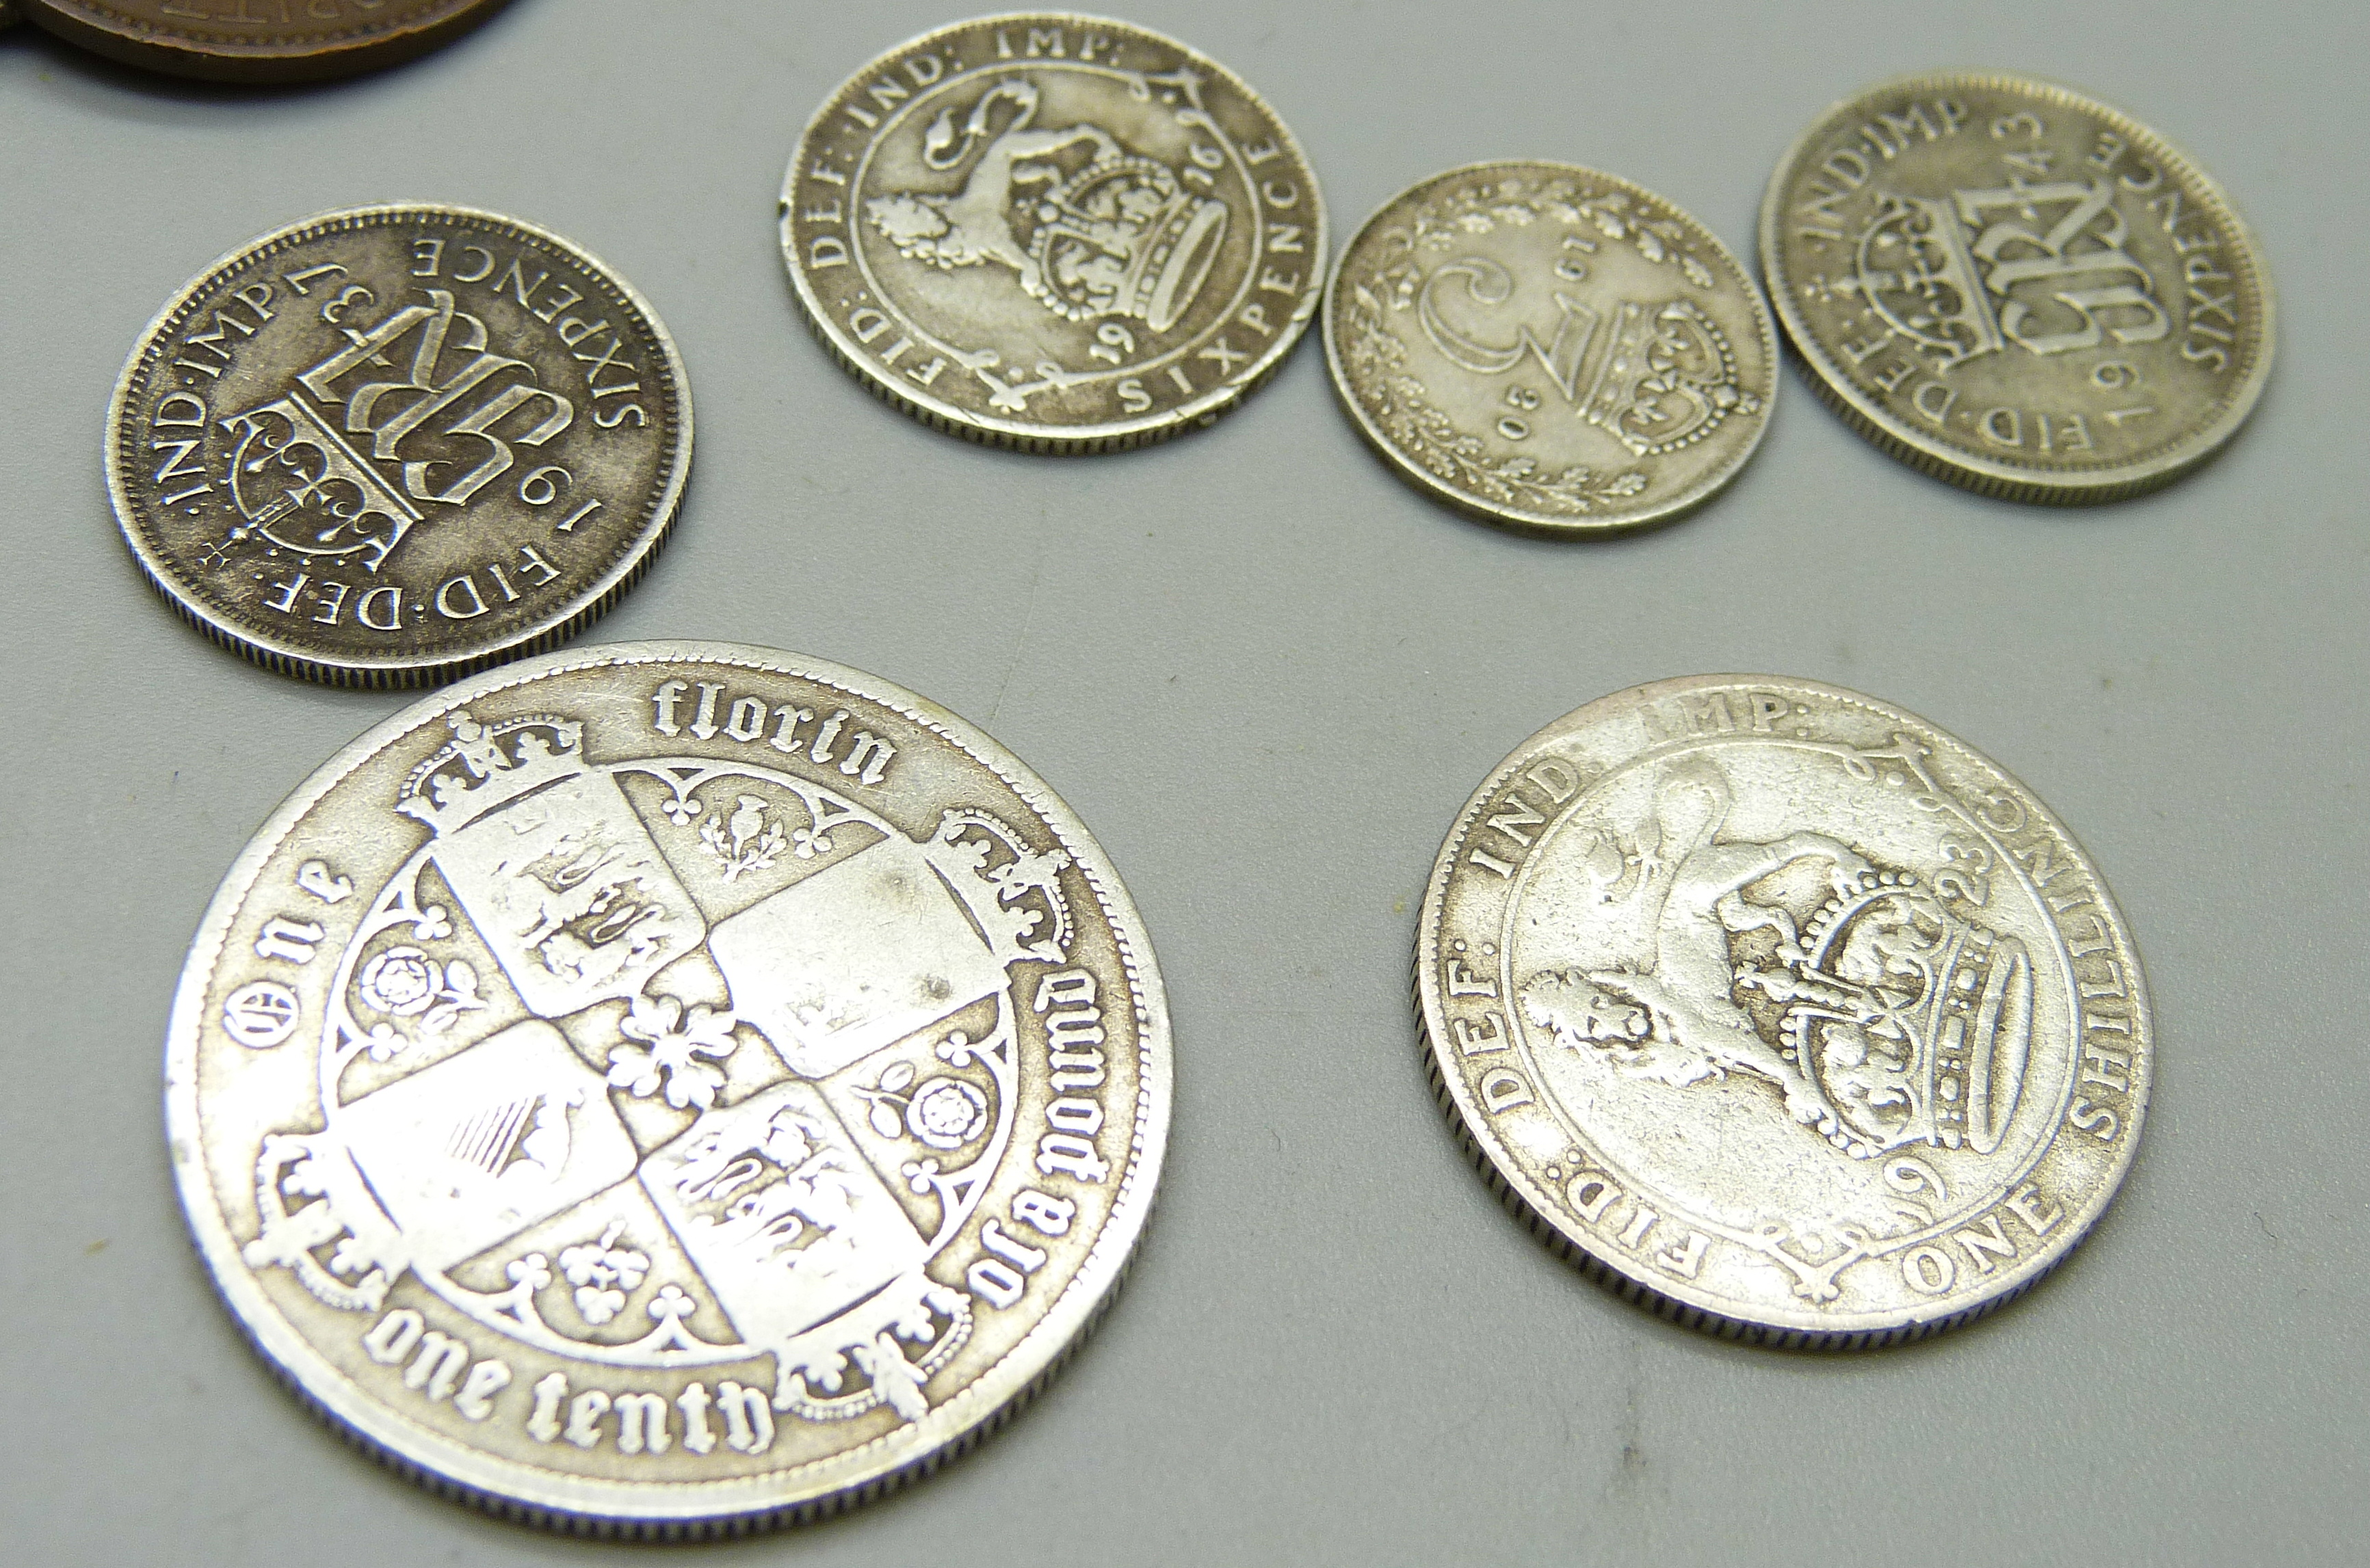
x: 259, y: 41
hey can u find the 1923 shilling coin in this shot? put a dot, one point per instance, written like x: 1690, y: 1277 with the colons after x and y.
x: 1550, y: 348
x: 1781, y: 1011
x: 2014, y: 288
x: 1053, y: 233
x: 388, y: 445
x: 668, y: 1087
x: 259, y: 41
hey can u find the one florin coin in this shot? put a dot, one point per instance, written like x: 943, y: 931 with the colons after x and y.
x: 666, y: 1088
x: 259, y: 41
x: 1053, y: 234
x: 388, y: 445
x: 1550, y: 348
x: 1777, y: 1008
x: 2017, y: 288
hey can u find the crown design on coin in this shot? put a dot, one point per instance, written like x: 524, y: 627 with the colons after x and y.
x: 1018, y: 901
x: 1913, y: 269
x: 300, y: 484
x: 1120, y: 236
x: 489, y: 765
x: 1911, y: 1025
x: 1668, y: 378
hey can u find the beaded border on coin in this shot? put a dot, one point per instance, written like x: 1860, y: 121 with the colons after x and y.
x: 1019, y: 435
x: 1967, y: 470
x: 1597, y: 1255
x: 692, y: 1511
x: 1538, y: 523
x: 286, y: 658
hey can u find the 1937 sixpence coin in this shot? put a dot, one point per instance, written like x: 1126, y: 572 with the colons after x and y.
x: 1782, y: 1011
x: 2017, y: 288
x: 667, y: 1087
x: 259, y: 41
x: 1053, y: 233
x: 387, y: 445
x: 1550, y: 348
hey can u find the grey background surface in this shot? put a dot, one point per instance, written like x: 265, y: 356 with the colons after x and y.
x: 1266, y: 675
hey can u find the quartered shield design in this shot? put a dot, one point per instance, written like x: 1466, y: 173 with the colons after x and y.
x: 709, y: 987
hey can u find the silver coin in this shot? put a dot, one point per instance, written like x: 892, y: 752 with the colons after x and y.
x: 388, y: 445
x: 668, y: 1087
x: 1782, y: 1011
x: 2012, y: 287
x: 1053, y: 233
x: 1550, y: 348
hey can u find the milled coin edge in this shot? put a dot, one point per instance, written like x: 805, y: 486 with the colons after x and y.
x: 575, y: 1506
x: 1118, y: 434
x: 347, y: 52
x: 1989, y: 476
x: 285, y: 657
x: 1667, y: 1299
x: 1541, y: 524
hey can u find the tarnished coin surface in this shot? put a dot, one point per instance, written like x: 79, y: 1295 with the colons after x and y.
x: 1053, y: 233
x: 1780, y: 1010
x: 2014, y: 288
x: 1550, y: 348
x: 259, y: 41
x: 665, y: 1087
x: 387, y: 445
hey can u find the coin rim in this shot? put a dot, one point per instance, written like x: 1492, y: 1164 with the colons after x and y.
x: 1116, y: 435
x: 674, y: 1510
x: 1540, y: 523
x: 284, y: 656
x: 1675, y: 1299
x: 1991, y: 476
x: 155, y: 47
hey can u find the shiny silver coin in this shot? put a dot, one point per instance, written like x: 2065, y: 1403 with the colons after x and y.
x: 667, y: 1087
x: 1782, y: 1011
x: 2014, y: 288
x: 1053, y: 234
x: 388, y: 445
x: 1550, y: 348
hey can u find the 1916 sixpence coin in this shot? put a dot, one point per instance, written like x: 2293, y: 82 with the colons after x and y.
x: 1779, y: 1009
x: 1550, y: 348
x: 662, y: 1088
x: 2017, y: 288
x: 389, y: 444
x: 244, y: 40
x: 1053, y: 233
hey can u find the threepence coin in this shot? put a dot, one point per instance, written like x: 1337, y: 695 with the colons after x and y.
x: 387, y: 445
x: 667, y: 1087
x: 2016, y: 289
x: 259, y: 41
x: 1781, y: 1010
x: 1053, y: 234
x: 1550, y: 348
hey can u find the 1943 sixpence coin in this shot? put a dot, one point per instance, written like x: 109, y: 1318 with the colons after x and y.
x: 2017, y: 288
x: 667, y: 1087
x: 387, y: 445
x: 1780, y: 1010
x: 1550, y: 348
x: 259, y: 41
x: 1053, y: 233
